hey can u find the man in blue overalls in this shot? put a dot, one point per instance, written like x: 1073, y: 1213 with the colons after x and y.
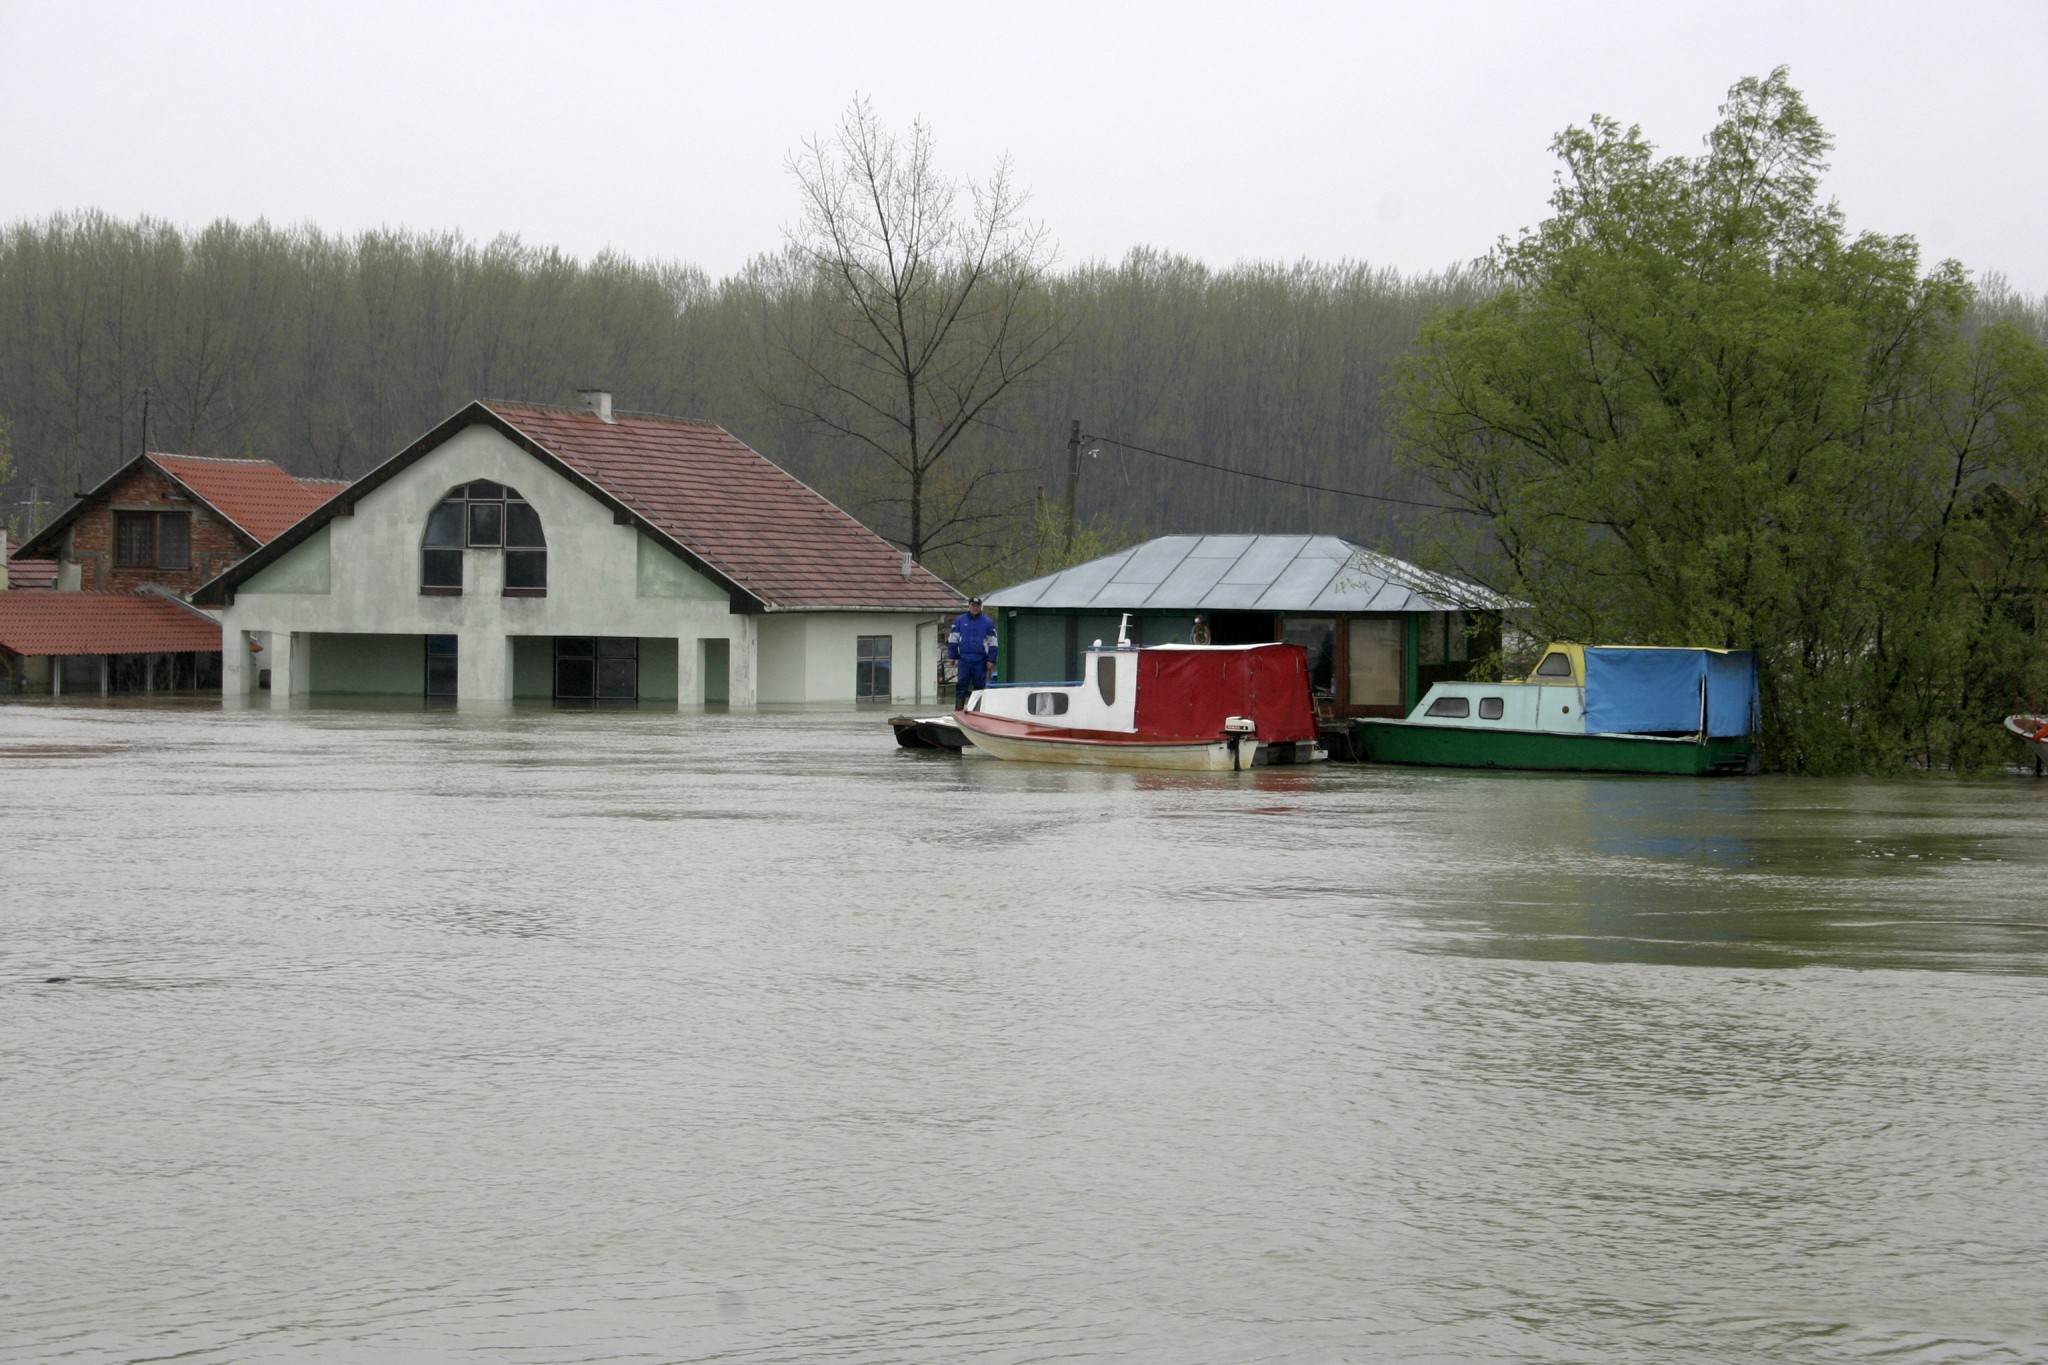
x: 972, y: 647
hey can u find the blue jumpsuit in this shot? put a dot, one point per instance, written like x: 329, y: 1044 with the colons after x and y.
x: 972, y: 644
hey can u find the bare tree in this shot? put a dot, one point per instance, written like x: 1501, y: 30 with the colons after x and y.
x: 926, y: 308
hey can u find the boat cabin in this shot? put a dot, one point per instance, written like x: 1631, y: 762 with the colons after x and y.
x: 1609, y: 689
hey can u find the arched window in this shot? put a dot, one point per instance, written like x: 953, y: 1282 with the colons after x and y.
x: 484, y: 516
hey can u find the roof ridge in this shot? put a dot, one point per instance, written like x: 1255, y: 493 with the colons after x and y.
x: 215, y: 459
x: 579, y: 411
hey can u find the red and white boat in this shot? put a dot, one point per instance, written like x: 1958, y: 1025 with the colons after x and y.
x: 2034, y: 731
x: 1207, y: 708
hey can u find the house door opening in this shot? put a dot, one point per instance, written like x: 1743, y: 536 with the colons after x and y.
x: 441, y: 665
x: 597, y: 668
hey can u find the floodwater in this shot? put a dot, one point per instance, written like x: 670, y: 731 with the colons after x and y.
x: 396, y: 1035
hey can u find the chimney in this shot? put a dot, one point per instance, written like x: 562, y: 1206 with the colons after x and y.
x: 598, y: 401
x: 909, y: 565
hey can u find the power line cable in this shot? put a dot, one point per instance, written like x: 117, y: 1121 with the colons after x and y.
x: 1275, y: 478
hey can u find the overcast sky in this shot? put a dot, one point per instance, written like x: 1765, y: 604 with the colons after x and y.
x: 1409, y: 135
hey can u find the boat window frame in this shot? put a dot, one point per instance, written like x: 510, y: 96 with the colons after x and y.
x: 1492, y: 708
x: 1450, y: 707
x: 1056, y: 703
x: 1105, y: 678
x: 1544, y: 670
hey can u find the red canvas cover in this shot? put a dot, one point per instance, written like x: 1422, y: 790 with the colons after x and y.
x: 1189, y: 693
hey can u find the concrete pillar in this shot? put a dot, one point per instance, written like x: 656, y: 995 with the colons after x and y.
x: 237, y: 672
x: 282, y: 659
x: 745, y: 662
x: 56, y: 675
x: 106, y: 666
x: 302, y: 665
x: 483, y: 667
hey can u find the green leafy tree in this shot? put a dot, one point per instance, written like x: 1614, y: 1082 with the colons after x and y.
x: 1698, y: 410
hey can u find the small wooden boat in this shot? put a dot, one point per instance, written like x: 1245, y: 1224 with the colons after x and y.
x: 2033, y: 732
x: 1601, y: 709
x: 928, y: 732
x: 1204, y: 708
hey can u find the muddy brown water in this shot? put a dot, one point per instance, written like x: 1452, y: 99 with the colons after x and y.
x: 383, y: 1034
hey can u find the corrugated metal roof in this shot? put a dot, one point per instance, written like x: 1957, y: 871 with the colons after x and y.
x: 43, y: 623
x: 1247, y: 573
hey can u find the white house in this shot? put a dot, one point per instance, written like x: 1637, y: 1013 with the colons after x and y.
x: 518, y: 551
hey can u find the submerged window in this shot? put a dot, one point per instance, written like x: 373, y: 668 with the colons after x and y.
x: 1451, y: 708
x: 597, y: 668
x: 1048, y: 703
x: 1555, y: 666
x: 1319, y: 635
x: 484, y: 516
x: 872, y: 668
x: 1491, y: 708
x: 440, y: 665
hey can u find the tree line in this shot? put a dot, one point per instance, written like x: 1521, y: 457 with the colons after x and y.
x: 328, y: 354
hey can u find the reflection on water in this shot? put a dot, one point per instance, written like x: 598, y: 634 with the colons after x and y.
x: 391, y: 1034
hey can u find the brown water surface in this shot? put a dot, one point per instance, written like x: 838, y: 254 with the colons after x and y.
x: 400, y: 1035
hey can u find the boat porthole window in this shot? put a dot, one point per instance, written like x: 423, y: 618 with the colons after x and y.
x: 1491, y: 708
x: 1450, y: 708
x: 1048, y: 703
x: 1105, y: 678
x: 1555, y: 665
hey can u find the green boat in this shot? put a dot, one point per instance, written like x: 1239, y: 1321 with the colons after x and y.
x: 1586, y: 708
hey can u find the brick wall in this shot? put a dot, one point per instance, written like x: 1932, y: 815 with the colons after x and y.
x: 90, y: 542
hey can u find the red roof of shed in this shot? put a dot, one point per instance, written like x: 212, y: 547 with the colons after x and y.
x: 100, y: 623
x: 256, y: 495
x: 31, y: 573
x: 733, y: 508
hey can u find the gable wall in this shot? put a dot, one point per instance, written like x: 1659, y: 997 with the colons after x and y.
x: 365, y: 579
x: 89, y: 543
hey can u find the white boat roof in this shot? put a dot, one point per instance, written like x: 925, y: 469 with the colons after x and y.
x: 1247, y: 573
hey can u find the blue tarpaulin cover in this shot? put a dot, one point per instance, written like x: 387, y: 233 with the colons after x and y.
x: 1734, y: 707
x: 1647, y: 691
x: 1644, y: 691
x: 1641, y: 691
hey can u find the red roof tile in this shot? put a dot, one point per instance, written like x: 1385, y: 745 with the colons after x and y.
x: 100, y: 623
x: 734, y: 509
x: 256, y: 495
x: 31, y: 573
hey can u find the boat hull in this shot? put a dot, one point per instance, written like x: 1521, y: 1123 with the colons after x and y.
x: 928, y: 732
x: 1007, y: 740
x: 1446, y: 746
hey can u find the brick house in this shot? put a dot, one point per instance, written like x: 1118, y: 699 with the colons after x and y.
x: 124, y: 558
x: 172, y: 522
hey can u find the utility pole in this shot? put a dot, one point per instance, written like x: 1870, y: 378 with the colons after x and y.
x: 145, y: 422
x: 1073, y: 479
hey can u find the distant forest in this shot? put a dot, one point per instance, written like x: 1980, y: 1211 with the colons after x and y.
x: 328, y: 354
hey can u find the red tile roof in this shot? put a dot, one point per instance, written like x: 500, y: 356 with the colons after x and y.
x: 734, y: 509
x: 100, y: 623
x: 257, y: 496
x: 31, y: 573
